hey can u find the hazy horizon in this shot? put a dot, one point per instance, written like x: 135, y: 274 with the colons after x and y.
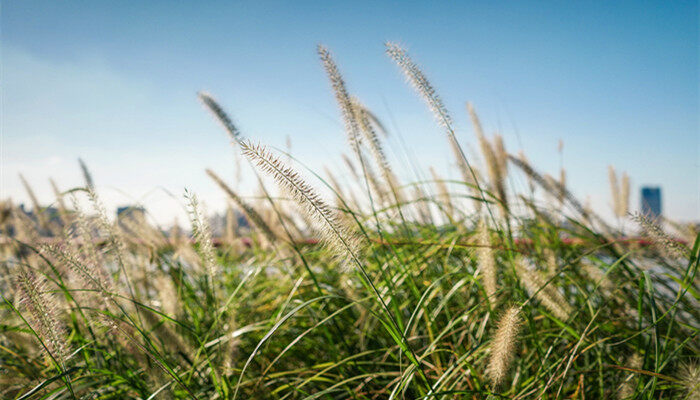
x: 116, y: 86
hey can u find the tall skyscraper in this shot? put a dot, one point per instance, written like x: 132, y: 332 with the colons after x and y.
x: 651, y: 201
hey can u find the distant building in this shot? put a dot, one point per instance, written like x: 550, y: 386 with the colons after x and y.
x: 651, y: 201
x: 45, y: 219
x: 130, y: 211
x: 133, y: 214
x: 217, y: 225
x: 221, y: 224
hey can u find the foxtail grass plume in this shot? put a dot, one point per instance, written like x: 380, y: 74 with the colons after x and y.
x: 342, y: 98
x: 624, y: 195
x: 499, y: 150
x: 341, y: 240
x: 597, y: 276
x: 477, y: 198
x: 476, y: 123
x: 614, y: 188
x: 486, y: 150
x: 462, y: 166
x: 503, y: 346
x: 231, y: 225
x: 227, y: 123
x: 420, y: 83
x: 562, y: 182
x: 546, y: 294
x: 490, y: 160
x: 486, y: 259
x: 525, y: 161
x: 498, y: 172
x: 167, y: 295
x: 114, y: 239
x: 627, y: 388
x: 553, y: 188
x: 689, y: 376
x: 231, y: 347
x: 87, y: 176
x: 443, y: 194
x: 41, y: 308
x: 375, y: 184
x: 422, y: 209
x: 83, y: 232
x: 90, y: 274
x: 368, y: 133
x: 659, y: 237
x: 620, y: 190
x: 495, y: 158
x: 552, y: 182
x: 550, y: 257
x: 688, y: 231
x: 218, y: 112
x: 202, y: 235
x: 376, y: 122
x: 375, y: 147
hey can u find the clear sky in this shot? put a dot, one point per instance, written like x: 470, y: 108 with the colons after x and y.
x: 115, y: 84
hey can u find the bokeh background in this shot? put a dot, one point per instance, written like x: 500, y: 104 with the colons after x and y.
x: 115, y: 83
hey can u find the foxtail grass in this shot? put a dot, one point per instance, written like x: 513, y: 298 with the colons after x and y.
x: 389, y: 284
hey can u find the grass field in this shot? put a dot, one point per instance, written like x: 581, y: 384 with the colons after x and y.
x: 428, y: 288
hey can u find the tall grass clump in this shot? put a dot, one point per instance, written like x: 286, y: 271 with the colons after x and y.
x: 370, y: 283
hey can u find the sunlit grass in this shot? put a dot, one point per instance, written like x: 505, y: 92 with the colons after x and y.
x: 428, y: 288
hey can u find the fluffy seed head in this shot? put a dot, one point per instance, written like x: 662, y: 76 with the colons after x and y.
x: 41, y: 308
x: 374, y: 144
x: 92, y: 276
x: 503, y: 346
x: 597, y: 276
x: 624, y: 195
x: 626, y: 389
x: 554, y: 188
x: 341, y: 240
x: 659, y: 237
x: 220, y: 115
x: 202, y: 235
x: 167, y: 294
x: 89, y: 183
x: 420, y: 82
x: 443, y: 193
x: 495, y: 158
x: 547, y: 295
x: 689, y: 376
x: 614, y: 189
x: 341, y: 96
x: 562, y: 182
x: 487, y: 262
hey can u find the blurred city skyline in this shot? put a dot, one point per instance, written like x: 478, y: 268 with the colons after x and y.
x: 115, y: 84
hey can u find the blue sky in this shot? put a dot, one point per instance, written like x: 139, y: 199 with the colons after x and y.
x: 115, y: 84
